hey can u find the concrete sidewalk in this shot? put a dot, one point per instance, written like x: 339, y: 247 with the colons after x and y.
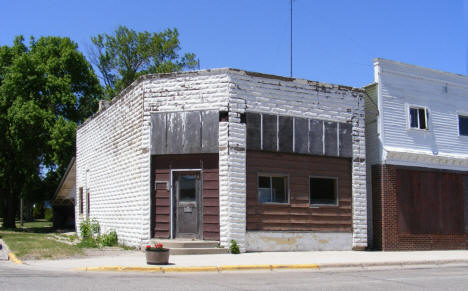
x: 135, y: 261
x: 3, y: 251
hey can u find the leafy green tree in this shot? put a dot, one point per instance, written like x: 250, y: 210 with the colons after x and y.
x: 125, y: 55
x: 46, y: 89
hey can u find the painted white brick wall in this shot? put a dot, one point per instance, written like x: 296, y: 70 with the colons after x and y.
x: 111, y: 165
x: 115, y: 148
x: 201, y: 90
x: 310, y: 99
x: 115, y: 145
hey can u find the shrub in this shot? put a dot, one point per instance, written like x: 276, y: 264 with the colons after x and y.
x: 234, y: 248
x: 38, y: 211
x: 85, y: 230
x: 109, y: 239
x: 91, y: 235
x: 95, y: 228
x: 90, y: 229
x: 48, y: 214
x: 73, y: 237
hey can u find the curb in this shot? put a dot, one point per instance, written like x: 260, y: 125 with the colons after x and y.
x: 14, y: 259
x: 198, y: 269
x: 268, y: 267
x: 11, y: 256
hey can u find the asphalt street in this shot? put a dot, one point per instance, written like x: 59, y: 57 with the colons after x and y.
x: 15, y: 277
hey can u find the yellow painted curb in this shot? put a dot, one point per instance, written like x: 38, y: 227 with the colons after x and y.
x: 244, y: 267
x: 143, y: 269
x: 200, y: 268
x: 296, y: 266
x: 190, y: 269
x: 120, y: 268
x: 13, y: 258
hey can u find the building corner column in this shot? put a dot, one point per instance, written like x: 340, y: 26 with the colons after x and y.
x: 232, y: 181
x: 359, y: 186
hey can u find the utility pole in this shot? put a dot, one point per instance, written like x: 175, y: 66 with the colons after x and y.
x: 290, y: 42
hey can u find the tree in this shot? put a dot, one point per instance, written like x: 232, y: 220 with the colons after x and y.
x: 46, y: 89
x: 125, y: 55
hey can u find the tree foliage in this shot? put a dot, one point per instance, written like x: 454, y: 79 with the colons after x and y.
x: 46, y: 89
x: 127, y: 54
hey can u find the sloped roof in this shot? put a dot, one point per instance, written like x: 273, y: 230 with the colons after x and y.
x: 66, y: 189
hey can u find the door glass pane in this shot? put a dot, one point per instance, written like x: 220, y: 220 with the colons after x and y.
x: 187, y: 188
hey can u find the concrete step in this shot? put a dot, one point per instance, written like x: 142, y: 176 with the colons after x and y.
x: 190, y: 247
x: 198, y: 251
x: 178, y: 243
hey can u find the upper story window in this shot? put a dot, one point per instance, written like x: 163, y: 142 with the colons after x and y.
x: 463, y: 125
x: 418, y: 117
x: 273, y: 189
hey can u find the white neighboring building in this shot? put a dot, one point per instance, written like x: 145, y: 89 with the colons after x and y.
x: 274, y: 163
x: 417, y: 157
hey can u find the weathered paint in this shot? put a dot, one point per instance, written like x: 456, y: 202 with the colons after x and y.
x: 294, y: 135
x: 273, y: 241
x: 184, y: 132
x: 114, y: 146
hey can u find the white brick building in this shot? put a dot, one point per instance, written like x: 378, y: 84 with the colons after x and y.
x: 271, y: 162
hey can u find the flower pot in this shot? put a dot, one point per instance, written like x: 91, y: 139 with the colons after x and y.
x: 157, y: 256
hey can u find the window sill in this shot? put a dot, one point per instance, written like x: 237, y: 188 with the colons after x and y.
x: 273, y: 203
x: 412, y: 129
x: 324, y: 205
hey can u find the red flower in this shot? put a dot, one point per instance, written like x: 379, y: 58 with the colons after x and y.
x: 160, y: 245
x: 148, y: 246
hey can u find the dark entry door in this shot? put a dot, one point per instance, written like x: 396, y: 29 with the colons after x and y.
x: 187, y: 192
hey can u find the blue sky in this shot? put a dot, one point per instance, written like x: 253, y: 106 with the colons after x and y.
x: 334, y: 41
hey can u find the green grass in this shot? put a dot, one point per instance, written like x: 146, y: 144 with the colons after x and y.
x: 35, y: 241
x: 38, y: 225
x: 28, y: 245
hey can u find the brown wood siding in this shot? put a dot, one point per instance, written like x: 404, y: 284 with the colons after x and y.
x: 162, y: 168
x: 430, y: 202
x: 298, y: 215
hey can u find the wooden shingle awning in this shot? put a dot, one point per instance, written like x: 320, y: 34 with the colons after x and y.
x: 66, y: 191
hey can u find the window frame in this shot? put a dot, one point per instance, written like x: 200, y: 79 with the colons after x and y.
x: 271, y: 175
x: 418, y: 107
x: 80, y: 206
x: 461, y: 114
x: 88, y: 204
x: 337, y: 200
